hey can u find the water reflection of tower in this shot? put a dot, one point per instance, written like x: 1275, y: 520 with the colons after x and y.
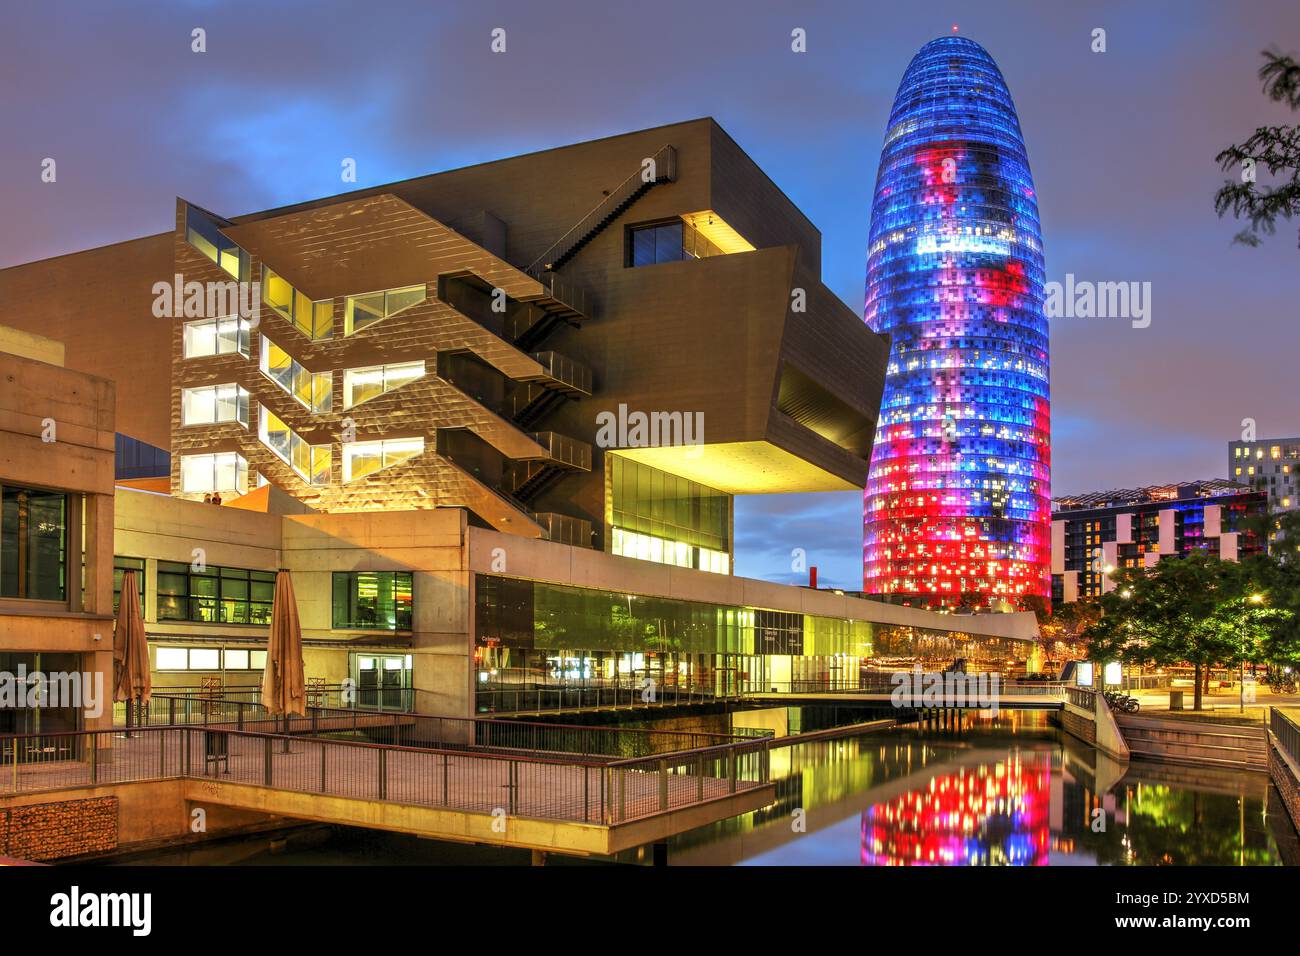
x: 981, y: 815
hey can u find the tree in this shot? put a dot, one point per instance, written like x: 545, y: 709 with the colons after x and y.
x: 1276, y: 148
x: 1064, y: 627
x: 1204, y: 611
x: 1172, y: 613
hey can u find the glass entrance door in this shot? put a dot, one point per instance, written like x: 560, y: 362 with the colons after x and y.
x: 382, y: 680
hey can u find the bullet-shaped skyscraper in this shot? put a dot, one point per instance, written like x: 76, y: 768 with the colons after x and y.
x: 958, y: 503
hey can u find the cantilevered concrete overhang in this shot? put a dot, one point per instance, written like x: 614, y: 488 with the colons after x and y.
x: 782, y: 379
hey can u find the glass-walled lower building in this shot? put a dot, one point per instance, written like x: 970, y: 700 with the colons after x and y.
x: 531, y: 635
x: 657, y: 516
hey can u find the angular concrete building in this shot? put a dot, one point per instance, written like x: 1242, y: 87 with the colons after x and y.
x: 493, y: 421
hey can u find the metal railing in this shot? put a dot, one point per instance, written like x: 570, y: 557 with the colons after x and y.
x: 639, y: 788
x: 665, y: 167
x: 570, y: 296
x: 527, y: 786
x: 1082, y: 698
x: 1287, y: 731
x: 536, y: 698
x: 886, y: 684
x: 564, y: 529
x: 563, y: 450
x: 429, y: 730
x: 187, y: 705
x: 573, y: 375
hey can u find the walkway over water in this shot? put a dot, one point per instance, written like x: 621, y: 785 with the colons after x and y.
x: 545, y: 802
x: 885, y: 694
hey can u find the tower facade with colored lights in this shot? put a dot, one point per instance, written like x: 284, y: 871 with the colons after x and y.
x: 957, y: 505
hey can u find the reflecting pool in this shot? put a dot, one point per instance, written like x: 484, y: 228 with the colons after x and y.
x: 1009, y: 791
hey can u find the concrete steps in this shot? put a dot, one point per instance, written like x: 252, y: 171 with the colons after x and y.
x: 1193, y: 742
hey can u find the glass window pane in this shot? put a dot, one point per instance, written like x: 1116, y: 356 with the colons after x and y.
x: 226, y: 472
x: 196, y: 473
x: 197, y: 406
x: 172, y: 659
x: 360, y: 459
x: 361, y: 384
x: 227, y: 403
x: 323, y: 319
x: 643, y: 247
x: 205, y: 659
x: 200, y: 339
x: 668, y: 243
x: 398, y: 375
x: 276, y: 292
x: 399, y: 299
x: 363, y: 310
x: 228, y: 329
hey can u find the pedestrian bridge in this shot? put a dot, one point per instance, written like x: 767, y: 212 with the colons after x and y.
x: 547, y: 802
x: 913, y: 695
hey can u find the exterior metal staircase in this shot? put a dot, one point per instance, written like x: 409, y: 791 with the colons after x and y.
x: 605, y: 212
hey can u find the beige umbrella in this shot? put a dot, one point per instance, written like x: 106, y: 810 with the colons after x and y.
x: 131, y: 678
x: 283, y: 686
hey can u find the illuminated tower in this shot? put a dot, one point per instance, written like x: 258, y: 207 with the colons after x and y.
x: 958, y: 499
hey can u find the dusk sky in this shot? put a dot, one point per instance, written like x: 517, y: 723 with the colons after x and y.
x: 1121, y: 143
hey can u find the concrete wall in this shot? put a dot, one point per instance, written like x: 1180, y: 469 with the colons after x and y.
x: 56, y: 432
x: 90, y: 820
x: 98, y: 303
x: 313, y: 546
x: 430, y: 544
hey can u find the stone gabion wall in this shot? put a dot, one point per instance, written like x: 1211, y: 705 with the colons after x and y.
x: 52, y: 831
x: 1287, y: 784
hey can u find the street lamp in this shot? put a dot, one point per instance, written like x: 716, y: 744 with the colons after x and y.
x: 1241, y: 677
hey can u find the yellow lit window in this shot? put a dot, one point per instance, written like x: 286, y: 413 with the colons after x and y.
x: 365, y: 458
x: 312, y: 389
x: 314, y: 319
x: 363, y: 384
x: 360, y: 311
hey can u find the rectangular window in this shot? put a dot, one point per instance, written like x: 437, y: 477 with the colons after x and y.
x: 204, y: 234
x: 313, y: 319
x: 214, y: 595
x: 311, y: 462
x: 360, y: 311
x: 214, y: 404
x: 372, y: 599
x: 363, y: 384
x: 366, y: 457
x: 33, y: 544
x: 669, y: 242
x: 225, y: 472
x: 208, y: 659
x: 312, y: 389
x: 172, y: 659
x: 222, y: 336
x: 120, y: 566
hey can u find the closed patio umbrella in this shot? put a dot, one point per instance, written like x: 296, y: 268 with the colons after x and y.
x: 283, y: 686
x: 131, y: 678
